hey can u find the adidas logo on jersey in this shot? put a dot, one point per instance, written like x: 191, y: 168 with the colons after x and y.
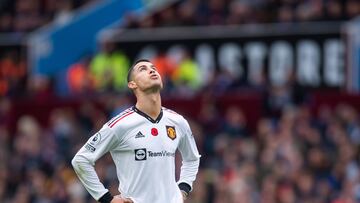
x: 139, y: 135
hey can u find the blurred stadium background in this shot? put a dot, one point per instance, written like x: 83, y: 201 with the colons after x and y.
x: 270, y: 87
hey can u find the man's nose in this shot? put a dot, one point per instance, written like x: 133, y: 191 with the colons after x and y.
x: 152, y: 71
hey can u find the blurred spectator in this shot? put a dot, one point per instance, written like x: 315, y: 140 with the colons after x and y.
x: 63, y: 13
x: 109, y: 68
x: 187, y: 12
x: 40, y: 87
x: 352, y: 8
x: 210, y: 121
x: 187, y: 74
x: 12, y: 73
x: 27, y: 15
x: 115, y: 104
x: 239, y: 13
x: 310, y: 11
x: 5, y: 108
x: 79, y: 78
x: 334, y: 10
x: 235, y: 123
x: 6, y: 22
x: 278, y: 98
x: 285, y: 15
x: 166, y: 67
x: 168, y: 17
x: 215, y: 12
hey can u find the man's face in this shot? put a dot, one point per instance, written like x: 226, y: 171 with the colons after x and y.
x: 145, y: 77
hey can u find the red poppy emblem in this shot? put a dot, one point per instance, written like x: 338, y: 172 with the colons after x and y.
x: 154, y: 131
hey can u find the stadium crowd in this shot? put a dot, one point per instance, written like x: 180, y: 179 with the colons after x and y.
x: 296, y: 156
x: 22, y: 16
x: 291, y: 156
x: 18, y: 18
x: 235, y: 12
x: 91, y: 72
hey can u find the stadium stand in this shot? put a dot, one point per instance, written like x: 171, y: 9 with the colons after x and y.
x: 259, y: 143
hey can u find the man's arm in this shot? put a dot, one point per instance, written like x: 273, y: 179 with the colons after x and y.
x: 190, y: 160
x: 84, y: 161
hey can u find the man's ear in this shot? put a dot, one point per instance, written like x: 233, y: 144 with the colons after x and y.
x: 132, y: 85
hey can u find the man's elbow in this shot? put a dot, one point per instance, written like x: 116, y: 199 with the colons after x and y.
x: 79, y: 161
x: 195, y: 158
x: 192, y: 161
x: 75, y: 162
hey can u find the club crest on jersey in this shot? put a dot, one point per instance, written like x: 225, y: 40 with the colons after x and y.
x: 171, y: 132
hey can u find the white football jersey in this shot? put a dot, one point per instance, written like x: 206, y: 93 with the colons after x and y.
x: 143, y: 150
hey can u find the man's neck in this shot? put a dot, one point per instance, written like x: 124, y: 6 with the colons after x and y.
x: 149, y: 104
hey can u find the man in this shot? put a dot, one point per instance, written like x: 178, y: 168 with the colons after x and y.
x: 142, y: 141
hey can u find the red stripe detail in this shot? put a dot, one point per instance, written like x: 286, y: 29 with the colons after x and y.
x: 120, y: 119
x: 118, y: 116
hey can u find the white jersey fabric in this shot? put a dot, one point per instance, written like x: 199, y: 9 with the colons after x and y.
x: 143, y: 151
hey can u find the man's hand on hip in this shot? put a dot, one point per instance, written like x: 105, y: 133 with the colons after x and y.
x: 118, y: 199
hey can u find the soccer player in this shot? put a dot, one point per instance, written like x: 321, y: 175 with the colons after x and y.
x: 142, y: 141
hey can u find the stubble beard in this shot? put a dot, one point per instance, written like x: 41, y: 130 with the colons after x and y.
x: 154, y: 88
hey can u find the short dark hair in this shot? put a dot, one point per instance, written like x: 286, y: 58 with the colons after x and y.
x: 132, y: 68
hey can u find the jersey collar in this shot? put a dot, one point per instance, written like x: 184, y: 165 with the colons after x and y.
x: 157, y: 120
